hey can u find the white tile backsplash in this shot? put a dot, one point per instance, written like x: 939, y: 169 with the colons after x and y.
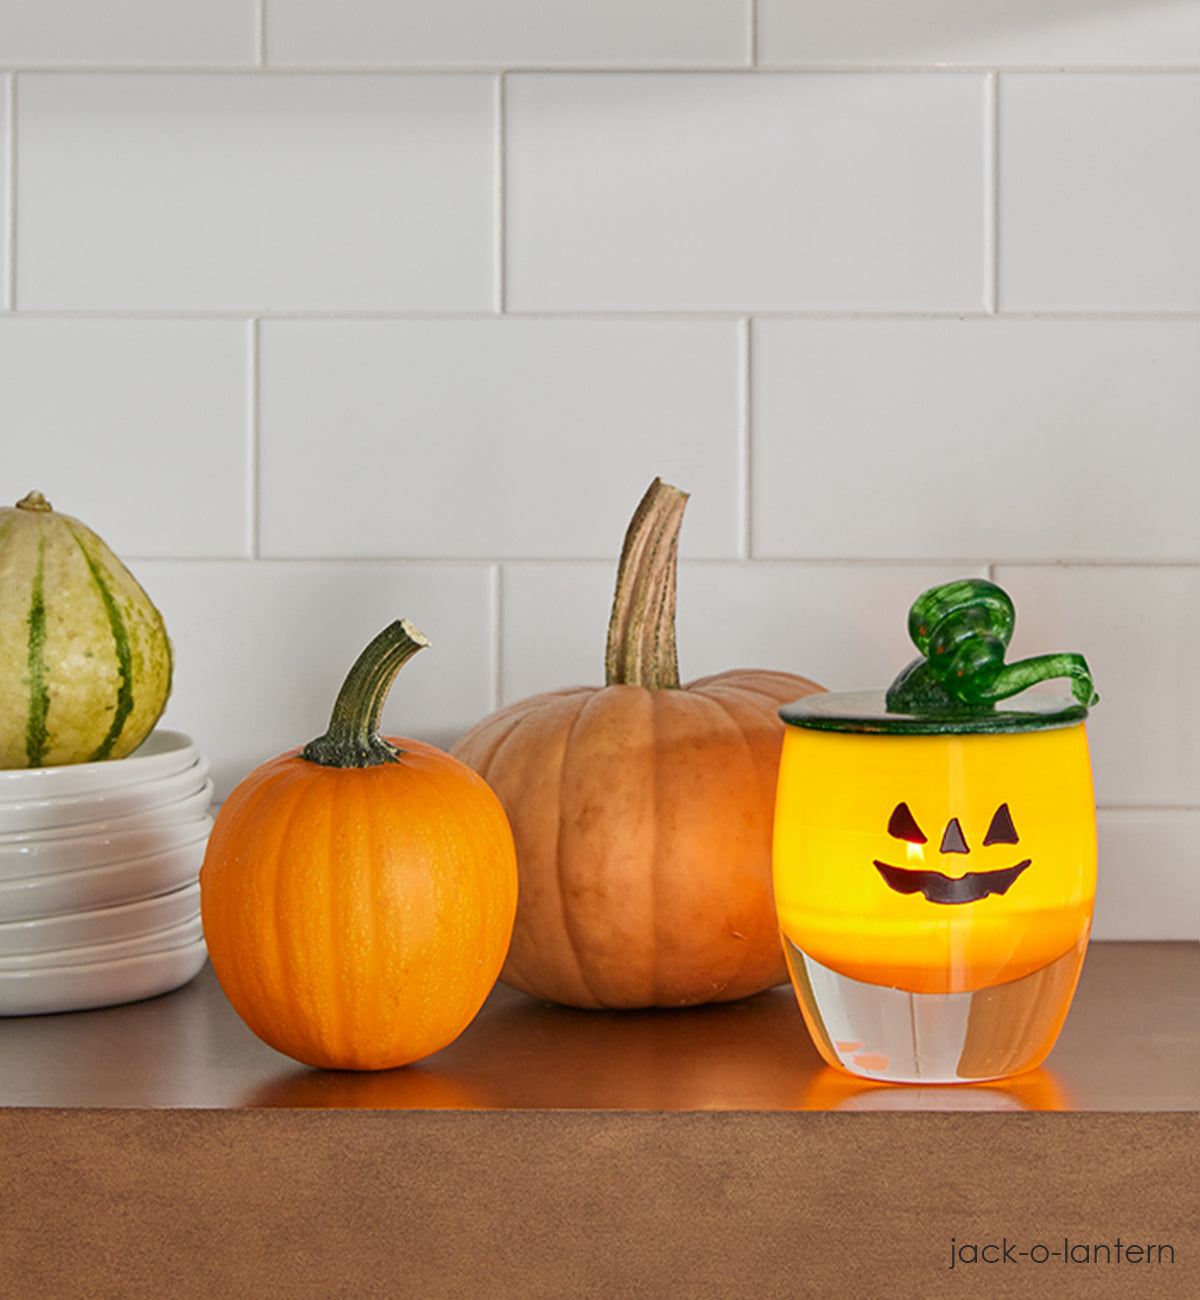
x: 182, y: 33
x: 1146, y: 883
x: 324, y: 314
x: 991, y: 438
x: 1099, y: 193
x: 140, y: 428
x: 555, y: 625
x: 255, y: 193
x: 510, y: 438
x: 520, y: 33
x: 696, y: 192
x: 1056, y: 33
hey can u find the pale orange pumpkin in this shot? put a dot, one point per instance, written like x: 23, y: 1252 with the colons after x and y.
x: 358, y: 895
x: 642, y: 810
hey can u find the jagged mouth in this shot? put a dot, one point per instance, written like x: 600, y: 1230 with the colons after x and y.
x: 938, y: 888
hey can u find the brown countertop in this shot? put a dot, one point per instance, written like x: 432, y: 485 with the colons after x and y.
x: 160, y: 1150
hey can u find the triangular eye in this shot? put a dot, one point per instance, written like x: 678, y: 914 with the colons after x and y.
x: 902, y: 825
x: 1002, y: 830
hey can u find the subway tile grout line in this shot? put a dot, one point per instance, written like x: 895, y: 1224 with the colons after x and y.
x: 630, y: 315
x: 1181, y: 68
x: 1145, y: 809
x: 253, y: 430
x: 497, y: 612
x: 991, y: 182
x: 260, y: 35
x: 499, y: 252
x: 746, y: 437
x: 951, y: 69
x: 712, y: 561
x: 10, y: 210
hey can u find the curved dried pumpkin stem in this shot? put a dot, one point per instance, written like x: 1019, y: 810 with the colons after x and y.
x: 641, y: 630
x: 353, y: 738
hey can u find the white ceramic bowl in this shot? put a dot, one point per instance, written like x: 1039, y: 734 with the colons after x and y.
x: 187, y: 809
x: 175, y: 936
x: 45, y: 934
x: 162, y: 753
x: 48, y: 813
x: 104, y: 886
x: 45, y: 855
x: 50, y: 989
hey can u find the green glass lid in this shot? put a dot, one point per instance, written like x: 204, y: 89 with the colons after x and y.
x: 959, y: 684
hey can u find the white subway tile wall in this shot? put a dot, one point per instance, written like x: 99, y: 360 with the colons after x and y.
x: 325, y: 312
x: 1000, y: 438
x: 510, y: 33
x: 1032, y: 33
x: 1099, y: 192
x: 219, y: 192
x: 751, y: 192
x: 134, y: 33
x: 142, y: 426
x: 508, y: 438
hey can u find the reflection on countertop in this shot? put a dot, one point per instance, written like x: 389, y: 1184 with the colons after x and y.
x: 1131, y: 1043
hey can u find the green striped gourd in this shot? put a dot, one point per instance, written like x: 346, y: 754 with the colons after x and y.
x: 85, y: 660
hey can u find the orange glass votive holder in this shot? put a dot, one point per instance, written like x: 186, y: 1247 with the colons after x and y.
x: 935, y: 876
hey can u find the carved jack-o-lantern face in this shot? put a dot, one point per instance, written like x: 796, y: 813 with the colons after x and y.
x: 935, y: 862
x: 937, y: 886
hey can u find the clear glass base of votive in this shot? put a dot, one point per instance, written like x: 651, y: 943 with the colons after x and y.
x: 891, y: 1035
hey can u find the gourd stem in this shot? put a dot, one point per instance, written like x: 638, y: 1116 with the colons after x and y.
x: 353, y: 738
x: 641, y: 631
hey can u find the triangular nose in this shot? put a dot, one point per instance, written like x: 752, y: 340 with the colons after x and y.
x: 952, y: 840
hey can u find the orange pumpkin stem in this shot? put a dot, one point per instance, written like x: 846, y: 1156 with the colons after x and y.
x: 353, y: 738
x: 641, y: 632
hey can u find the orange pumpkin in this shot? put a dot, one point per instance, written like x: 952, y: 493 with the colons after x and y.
x: 358, y: 895
x: 642, y: 810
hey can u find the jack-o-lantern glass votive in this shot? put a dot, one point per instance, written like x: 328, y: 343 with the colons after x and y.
x: 935, y: 853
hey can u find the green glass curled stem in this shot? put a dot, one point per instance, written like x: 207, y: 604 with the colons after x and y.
x: 962, y: 630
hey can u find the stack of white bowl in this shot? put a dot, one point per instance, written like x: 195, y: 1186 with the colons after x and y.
x: 99, y: 878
